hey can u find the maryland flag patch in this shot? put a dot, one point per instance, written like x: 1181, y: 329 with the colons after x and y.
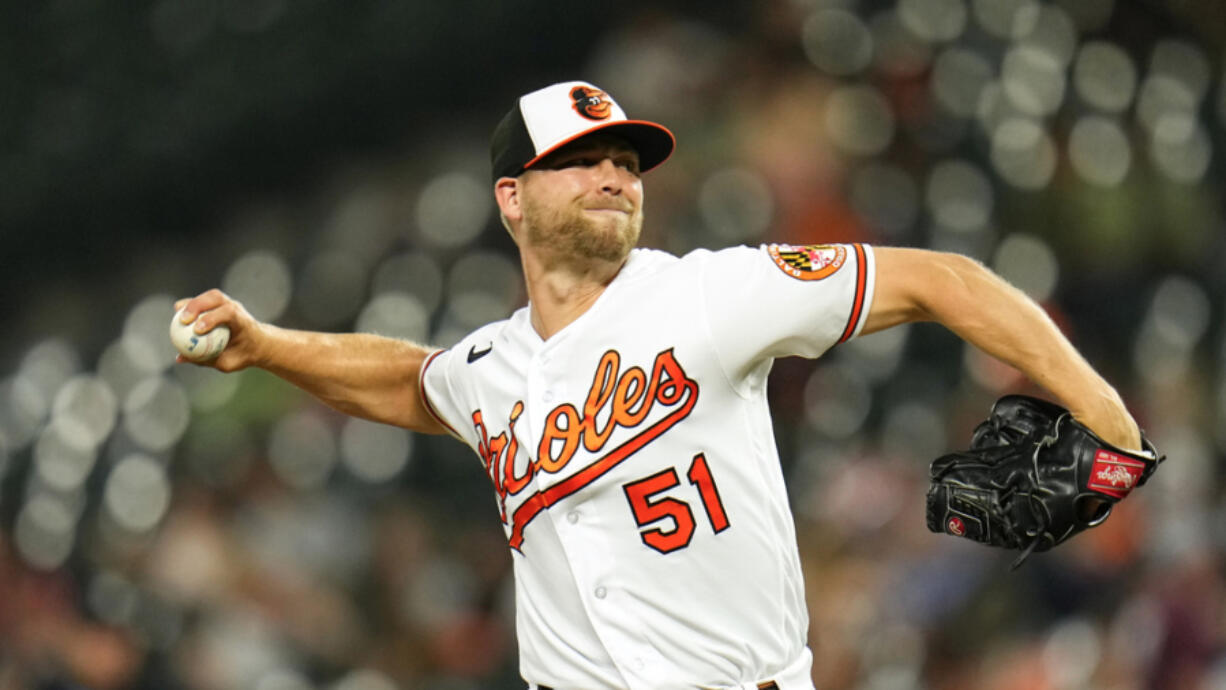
x: 810, y: 261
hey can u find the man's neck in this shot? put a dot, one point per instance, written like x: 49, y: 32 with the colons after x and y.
x: 560, y: 293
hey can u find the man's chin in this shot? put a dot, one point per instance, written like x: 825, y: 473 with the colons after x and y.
x: 591, y: 237
x: 609, y: 246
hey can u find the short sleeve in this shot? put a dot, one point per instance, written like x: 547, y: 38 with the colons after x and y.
x: 440, y: 394
x: 781, y: 300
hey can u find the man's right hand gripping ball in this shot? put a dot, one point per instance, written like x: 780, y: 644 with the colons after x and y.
x: 1032, y: 478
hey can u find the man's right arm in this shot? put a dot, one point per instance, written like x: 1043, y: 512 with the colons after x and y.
x: 360, y: 374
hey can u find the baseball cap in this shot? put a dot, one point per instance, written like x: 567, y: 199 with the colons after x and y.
x: 547, y: 119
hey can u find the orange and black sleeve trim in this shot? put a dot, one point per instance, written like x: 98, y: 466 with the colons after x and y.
x: 857, y: 305
x: 425, y: 399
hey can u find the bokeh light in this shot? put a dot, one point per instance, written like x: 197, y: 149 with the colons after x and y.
x: 959, y: 76
x: 959, y: 196
x: 1180, y: 147
x: 23, y: 408
x: 49, y: 364
x: 1183, y: 62
x: 414, y: 273
x: 1162, y: 96
x: 897, y: 51
x: 1100, y: 151
x: 396, y: 315
x: 302, y: 449
x: 113, y: 597
x: 859, y: 120
x: 1048, y: 29
x: 482, y: 286
x: 374, y: 452
x: 838, y: 400
x: 934, y: 21
x: 452, y: 210
x: 1072, y: 651
x: 999, y: 17
x: 737, y: 205
x: 1033, y: 80
x: 137, y: 493
x: 45, y: 532
x: 1104, y: 76
x: 1088, y: 15
x: 144, y: 333
x: 1029, y: 263
x: 207, y: 389
x: 62, y: 462
x: 877, y: 356
x: 156, y: 413
x: 85, y: 410
x: 837, y: 42
x: 261, y: 280
x: 1023, y: 154
x: 1177, y: 319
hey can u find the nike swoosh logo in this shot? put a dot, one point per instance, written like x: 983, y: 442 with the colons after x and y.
x: 474, y: 354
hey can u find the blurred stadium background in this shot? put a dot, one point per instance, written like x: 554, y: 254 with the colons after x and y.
x: 164, y: 526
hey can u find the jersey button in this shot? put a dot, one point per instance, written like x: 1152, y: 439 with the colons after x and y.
x: 572, y: 517
x: 547, y: 396
x: 601, y: 592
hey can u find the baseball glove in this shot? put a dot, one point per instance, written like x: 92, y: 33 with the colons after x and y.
x: 1032, y: 478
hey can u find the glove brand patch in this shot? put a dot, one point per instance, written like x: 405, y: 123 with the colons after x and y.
x: 591, y: 103
x: 810, y: 261
x: 955, y: 527
x: 1113, y: 474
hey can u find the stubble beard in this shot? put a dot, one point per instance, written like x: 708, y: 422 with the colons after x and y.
x: 573, y: 238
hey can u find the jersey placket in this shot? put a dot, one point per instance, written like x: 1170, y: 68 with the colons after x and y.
x: 581, y: 523
x: 547, y: 388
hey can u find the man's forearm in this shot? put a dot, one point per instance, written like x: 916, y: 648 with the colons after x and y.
x: 991, y: 314
x: 1003, y: 322
x: 360, y: 374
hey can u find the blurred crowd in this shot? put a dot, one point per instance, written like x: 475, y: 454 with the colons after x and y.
x: 166, y: 526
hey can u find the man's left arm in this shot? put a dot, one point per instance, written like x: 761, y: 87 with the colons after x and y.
x: 984, y: 310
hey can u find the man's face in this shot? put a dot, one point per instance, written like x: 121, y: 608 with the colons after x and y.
x: 584, y: 202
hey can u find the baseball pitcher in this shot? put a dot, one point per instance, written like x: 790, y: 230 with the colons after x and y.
x: 621, y: 416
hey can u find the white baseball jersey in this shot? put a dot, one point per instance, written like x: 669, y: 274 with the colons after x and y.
x: 635, y: 467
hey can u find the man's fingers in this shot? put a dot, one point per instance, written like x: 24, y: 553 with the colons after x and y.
x: 207, y: 310
x: 204, y: 302
x: 207, y: 320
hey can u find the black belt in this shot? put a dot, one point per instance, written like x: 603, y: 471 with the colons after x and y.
x: 769, y: 685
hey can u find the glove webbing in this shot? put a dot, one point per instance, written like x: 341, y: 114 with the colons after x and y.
x: 1044, y: 522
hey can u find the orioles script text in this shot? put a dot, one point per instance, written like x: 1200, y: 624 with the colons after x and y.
x: 616, y: 400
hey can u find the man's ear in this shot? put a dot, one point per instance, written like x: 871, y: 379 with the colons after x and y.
x: 506, y: 193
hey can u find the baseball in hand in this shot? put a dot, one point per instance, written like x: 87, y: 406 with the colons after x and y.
x: 198, y: 347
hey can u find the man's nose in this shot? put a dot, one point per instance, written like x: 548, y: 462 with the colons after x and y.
x: 610, y: 175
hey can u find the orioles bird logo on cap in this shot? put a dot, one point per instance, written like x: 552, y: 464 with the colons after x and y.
x: 591, y: 103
